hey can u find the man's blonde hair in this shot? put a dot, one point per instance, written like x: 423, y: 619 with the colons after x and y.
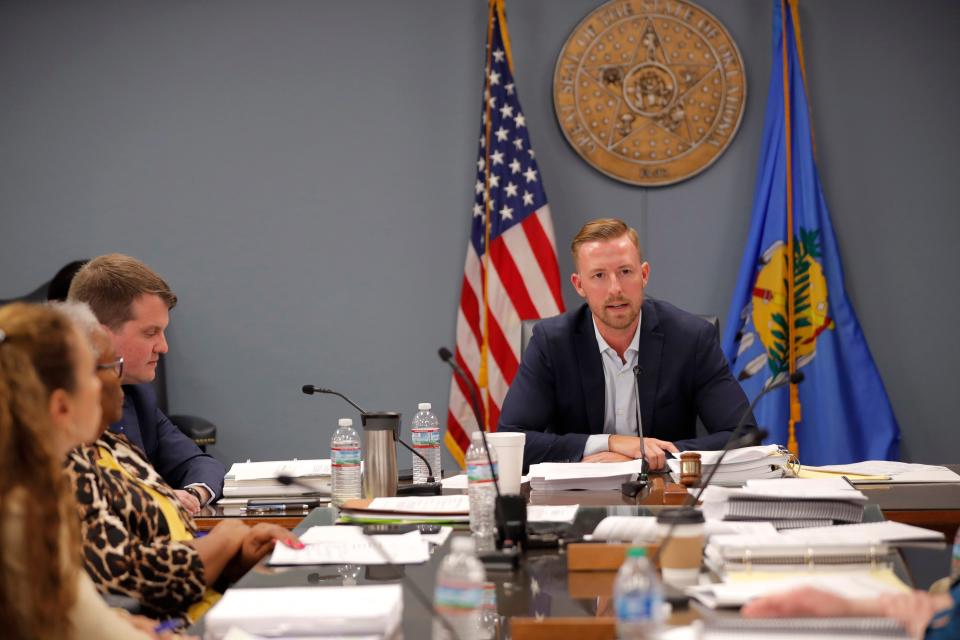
x: 110, y: 284
x: 602, y: 230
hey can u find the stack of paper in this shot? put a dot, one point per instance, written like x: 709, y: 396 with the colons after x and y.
x: 563, y: 476
x: 738, y: 466
x: 839, y: 547
x: 735, y: 593
x: 645, y: 529
x: 787, y: 503
x: 419, y: 509
x: 883, y: 471
x: 348, y: 545
x: 308, y: 611
x: 258, y: 479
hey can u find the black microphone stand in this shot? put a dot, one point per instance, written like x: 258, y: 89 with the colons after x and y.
x: 735, y: 441
x: 414, y: 589
x: 431, y: 487
x: 632, y: 487
x: 510, y: 512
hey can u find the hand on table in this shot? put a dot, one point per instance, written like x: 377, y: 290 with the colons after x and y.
x: 259, y: 541
x: 606, y: 456
x: 188, y: 500
x: 655, y: 450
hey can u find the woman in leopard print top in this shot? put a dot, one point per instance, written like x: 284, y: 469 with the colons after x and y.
x: 138, y: 540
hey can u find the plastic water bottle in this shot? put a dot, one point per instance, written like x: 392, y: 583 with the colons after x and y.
x: 483, y: 493
x: 459, y: 592
x: 345, y: 462
x: 489, y: 618
x: 426, y: 440
x: 637, y: 597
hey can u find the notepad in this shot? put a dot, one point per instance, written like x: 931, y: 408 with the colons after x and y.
x: 408, y: 548
x: 301, y: 611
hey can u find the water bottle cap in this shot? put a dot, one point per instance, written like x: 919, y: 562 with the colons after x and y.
x: 424, y: 406
x: 345, y: 422
x: 637, y: 552
x: 462, y: 544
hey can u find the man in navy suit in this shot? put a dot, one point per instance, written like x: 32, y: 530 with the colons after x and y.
x: 574, y: 393
x: 134, y: 303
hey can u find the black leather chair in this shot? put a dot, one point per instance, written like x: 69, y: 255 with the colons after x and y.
x: 201, y: 431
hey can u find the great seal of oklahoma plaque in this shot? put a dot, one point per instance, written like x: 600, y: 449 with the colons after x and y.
x: 649, y: 92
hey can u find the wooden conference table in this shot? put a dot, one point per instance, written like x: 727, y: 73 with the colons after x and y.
x: 543, y: 599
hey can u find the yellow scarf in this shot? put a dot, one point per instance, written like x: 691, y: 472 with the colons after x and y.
x: 178, y: 529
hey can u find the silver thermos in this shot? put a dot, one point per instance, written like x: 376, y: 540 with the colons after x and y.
x: 380, y: 429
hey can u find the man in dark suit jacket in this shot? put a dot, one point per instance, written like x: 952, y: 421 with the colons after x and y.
x: 134, y: 303
x: 574, y: 395
x: 175, y: 456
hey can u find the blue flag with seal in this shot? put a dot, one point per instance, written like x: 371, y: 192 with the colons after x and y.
x: 790, y: 311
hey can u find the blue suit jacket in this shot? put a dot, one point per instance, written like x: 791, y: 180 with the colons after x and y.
x: 557, y: 396
x: 178, y: 459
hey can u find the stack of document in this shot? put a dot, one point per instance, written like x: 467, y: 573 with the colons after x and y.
x: 308, y: 611
x: 883, y: 471
x: 408, y: 510
x: 738, y: 592
x: 258, y: 479
x: 841, y: 547
x: 730, y: 628
x: 349, y: 545
x: 787, y: 503
x: 738, y: 466
x: 564, y: 476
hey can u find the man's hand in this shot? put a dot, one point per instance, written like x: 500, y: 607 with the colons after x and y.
x: 606, y: 456
x: 188, y: 500
x: 655, y: 449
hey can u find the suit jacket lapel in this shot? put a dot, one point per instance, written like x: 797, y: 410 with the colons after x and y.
x: 591, y: 370
x: 651, y: 348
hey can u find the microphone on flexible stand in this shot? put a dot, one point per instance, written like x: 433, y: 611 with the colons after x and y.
x: 632, y: 487
x: 431, y: 487
x: 414, y: 589
x: 510, y: 512
x: 736, y: 441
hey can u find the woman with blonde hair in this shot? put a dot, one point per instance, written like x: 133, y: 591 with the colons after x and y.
x: 49, y: 404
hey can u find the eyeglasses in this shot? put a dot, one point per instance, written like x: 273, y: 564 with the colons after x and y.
x: 116, y: 366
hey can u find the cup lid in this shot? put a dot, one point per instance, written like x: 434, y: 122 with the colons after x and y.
x: 682, y: 515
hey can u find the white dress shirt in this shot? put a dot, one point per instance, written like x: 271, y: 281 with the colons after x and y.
x: 620, y: 401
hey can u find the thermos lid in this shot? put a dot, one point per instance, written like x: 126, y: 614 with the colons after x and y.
x: 381, y: 421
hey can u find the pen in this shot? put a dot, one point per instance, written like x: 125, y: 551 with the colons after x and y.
x: 168, y: 625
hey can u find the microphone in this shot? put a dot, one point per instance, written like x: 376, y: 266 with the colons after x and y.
x: 632, y: 487
x: 513, y: 530
x: 447, y: 357
x: 432, y: 486
x: 735, y: 441
x: 309, y: 389
x: 418, y: 594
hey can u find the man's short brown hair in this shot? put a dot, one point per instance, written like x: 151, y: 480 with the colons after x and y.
x: 601, y: 230
x: 110, y: 284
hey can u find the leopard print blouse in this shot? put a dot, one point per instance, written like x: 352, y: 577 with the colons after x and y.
x: 127, y: 547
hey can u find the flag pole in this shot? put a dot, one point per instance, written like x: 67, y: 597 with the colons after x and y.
x: 482, y: 377
x: 795, y: 414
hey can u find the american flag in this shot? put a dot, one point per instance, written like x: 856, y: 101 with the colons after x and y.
x: 511, y: 271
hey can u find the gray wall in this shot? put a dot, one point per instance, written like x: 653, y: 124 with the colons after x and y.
x: 301, y: 173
